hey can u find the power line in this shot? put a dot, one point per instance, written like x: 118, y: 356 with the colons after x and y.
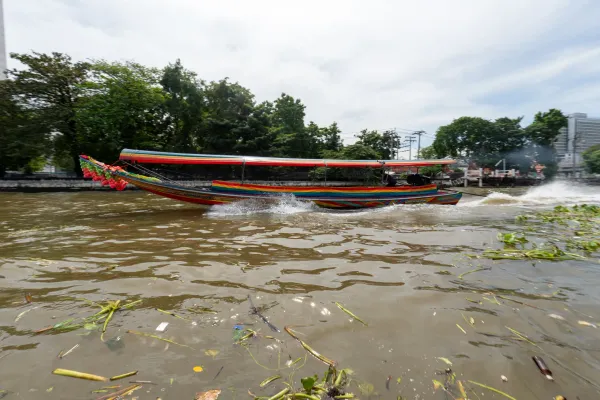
x: 410, y: 140
x: 419, y: 133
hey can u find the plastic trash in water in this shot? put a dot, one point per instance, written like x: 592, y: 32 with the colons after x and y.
x: 238, y: 332
x: 162, y: 327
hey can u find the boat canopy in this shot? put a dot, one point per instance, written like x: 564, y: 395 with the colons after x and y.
x: 158, y: 157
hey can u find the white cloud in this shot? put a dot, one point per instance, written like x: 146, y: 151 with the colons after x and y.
x: 375, y: 64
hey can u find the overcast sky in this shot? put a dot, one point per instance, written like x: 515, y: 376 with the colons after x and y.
x: 373, y: 64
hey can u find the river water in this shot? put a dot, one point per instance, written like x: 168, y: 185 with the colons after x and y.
x: 399, y: 269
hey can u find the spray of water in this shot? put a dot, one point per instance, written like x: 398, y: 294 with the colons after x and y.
x: 283, y: 205
x: 554, y: 193
x: 558, y: 192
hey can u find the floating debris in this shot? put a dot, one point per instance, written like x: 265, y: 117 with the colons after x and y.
x: 460, y: 327
x: 63, y: 355
x: 162, y: 326
x: 444, y: 359
x: 492, y: 389
x: 120, y: 393
x: 218, y: 373
x: 504, y: 378
x: 126, y: 375
x: 158, y: 338
x: 324, y: 359
x: 472, y: 271
x: 80, y: 375
x: 212, y: 353
x: 556, y: 316
x: 269, y: 380
x: 341, y: 307
x: 198, y: 368
x: 542, y: 367
x: 585, y: 323
x: 209, y: 395
x: 105, y: 314
x: 25, y: 312
x: 172, y: 314
x: 254, y: 310
x: 521, y: 336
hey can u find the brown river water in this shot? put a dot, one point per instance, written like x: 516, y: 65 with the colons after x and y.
x: 398, y: 269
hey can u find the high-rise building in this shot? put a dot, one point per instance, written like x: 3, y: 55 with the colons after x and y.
x: 581, y: 133
x: 3, y: 65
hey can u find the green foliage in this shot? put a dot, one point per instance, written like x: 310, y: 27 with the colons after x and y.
x: 22, y: 140
x: 562, y: 229
x: 486, y: 142
x: 49, y: 91
x: 309, y: 382
x: 384, y: 143
x: 57, y: 108
x: 591, y: 159
x: 429, y: 153
x: 546, y: 126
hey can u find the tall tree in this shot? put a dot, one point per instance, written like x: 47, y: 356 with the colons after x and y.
x: 542, y: 133
x: 288, y: 123
x: 591, y: 159
x: 229, y: 107
x: 21, y: 142
x: 546, y: 126
x: 480, y: 140
x: 185, y: 106
x: 50, y: 89
x: 125, y: 109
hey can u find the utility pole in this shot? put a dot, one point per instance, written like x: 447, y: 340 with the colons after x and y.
x: 576, y: 137
x: 419, y: 133
x: 410, y: 140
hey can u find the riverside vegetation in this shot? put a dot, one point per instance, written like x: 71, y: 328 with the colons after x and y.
x: 54, y: 108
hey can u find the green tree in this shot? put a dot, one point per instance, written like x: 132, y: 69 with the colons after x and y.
x: 330, y: 138
x: 50, y: 89
x: 256, y: 136
x: 292, y: 140
x: 546, y: 126
x: 480, y: 140
x: 125, y: 109
x: 542, y: 133
x: 22, y: 143
x: 229, y: 107
x: 591, y: 159
x: 428, y: 153
x: 185, y: 106
x: 385, y: 144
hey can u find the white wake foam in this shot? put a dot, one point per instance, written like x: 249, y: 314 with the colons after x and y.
x: 283, y: 205
x: 558, y: 192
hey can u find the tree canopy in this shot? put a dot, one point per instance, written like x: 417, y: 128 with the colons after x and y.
x: 55, y: 108
x: 591, y: 159
x: 488, y: 141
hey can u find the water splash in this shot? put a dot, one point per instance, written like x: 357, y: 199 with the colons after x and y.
x: 557, y: 192
x: 283, y: 205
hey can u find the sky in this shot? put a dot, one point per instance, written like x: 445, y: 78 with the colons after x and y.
x: 376, y: 64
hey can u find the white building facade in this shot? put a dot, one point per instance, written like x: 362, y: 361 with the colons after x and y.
x: 581, y: 133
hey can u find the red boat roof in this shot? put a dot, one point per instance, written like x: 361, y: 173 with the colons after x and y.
x: 158, y: 157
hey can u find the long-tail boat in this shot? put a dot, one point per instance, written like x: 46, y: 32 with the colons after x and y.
x: 224, y: 192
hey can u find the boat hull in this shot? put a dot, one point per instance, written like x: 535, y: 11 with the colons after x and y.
x: 346, y: 198
x: 207, y: 197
